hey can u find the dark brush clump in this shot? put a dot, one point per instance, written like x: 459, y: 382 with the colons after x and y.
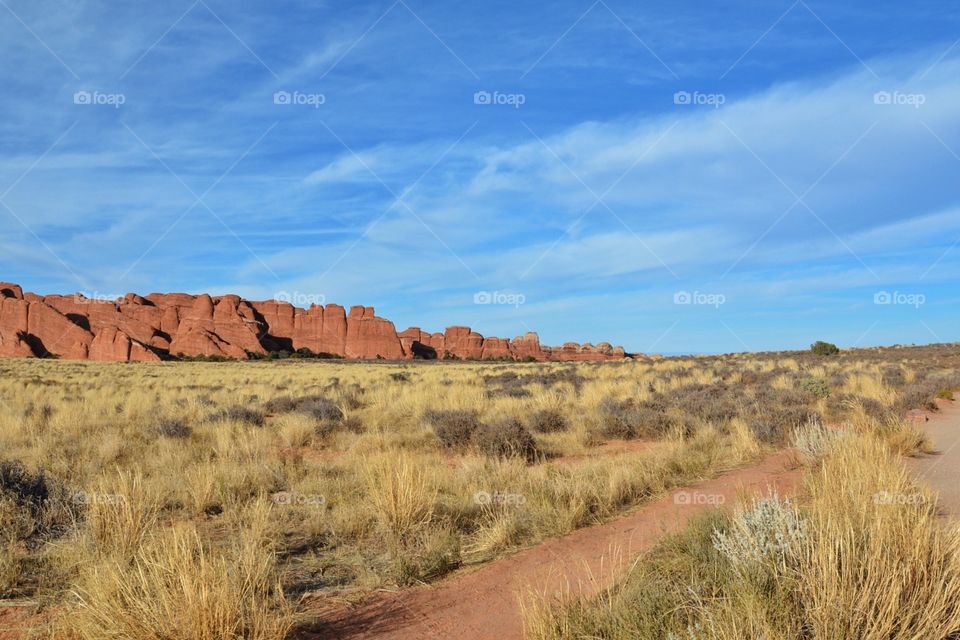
x: 626, y: 419
x: 240, y: 413
x: 711, y: 402
x: 840, y: 406
x: 548, y: 421
x: 506, y: 438
x: 512, y: 384
x: 47, y: 510
x: 454, y: 428
x: 27, y: 489
x: 172, y: 428
x: 280, y: 404
x: 894, y: 376
x: 919, y: 395
x: 320, y: 407
x: 353, y: 424
x: 462, y: 430
x: 777, y: 412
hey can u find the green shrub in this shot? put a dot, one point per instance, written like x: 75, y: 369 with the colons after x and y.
x: 815, y: 386
x: 822, y: 348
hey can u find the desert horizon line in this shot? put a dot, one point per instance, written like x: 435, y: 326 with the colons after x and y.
x: 305, y: 335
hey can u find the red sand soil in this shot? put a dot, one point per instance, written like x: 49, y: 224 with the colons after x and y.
x: 485, y: 602
x: 17, y: 618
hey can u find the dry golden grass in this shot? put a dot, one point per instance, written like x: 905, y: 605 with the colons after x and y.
x: 402, y: 493
x: 879, y: 563
x: 198, y: 499
x: 174, y: 588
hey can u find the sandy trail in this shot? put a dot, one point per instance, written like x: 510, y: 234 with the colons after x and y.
x: 941, y: 470
x: 484, y: 603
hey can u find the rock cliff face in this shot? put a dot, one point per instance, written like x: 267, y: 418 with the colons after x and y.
x: 163, y: 325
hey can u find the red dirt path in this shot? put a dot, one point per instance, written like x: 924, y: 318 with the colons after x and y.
x: 485, y: 602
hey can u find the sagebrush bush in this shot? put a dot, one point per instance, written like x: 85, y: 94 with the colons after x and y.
x: 321, y: 409
x: 26, y: 488
x: 280, y: 404
x: 454, y: 428
x: 169, y: 427
x: 506, y: 438
x: 764, y: 540
x: 548, y: 421
x: 894, y: 376
x: 44, y: 507
x: 239, y: 413
x: 814, y: 440
x: 626, y: 419
x: 318, y: 406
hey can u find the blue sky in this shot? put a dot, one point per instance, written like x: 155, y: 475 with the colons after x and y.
x: 672, y: 177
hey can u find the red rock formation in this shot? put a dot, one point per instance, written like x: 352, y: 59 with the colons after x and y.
x: 145, y: 329
x: 10, y: 290
x: 14, y: 345
x: 370, y: 337
x: 496, y: 349
x: 527, y: 347
x: 113, y: 345
x: 461, y: 342
x: 57, y: 333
